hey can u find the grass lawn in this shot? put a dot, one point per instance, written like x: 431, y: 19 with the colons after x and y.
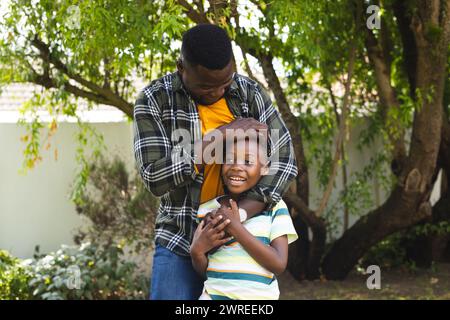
x: 400, y: 284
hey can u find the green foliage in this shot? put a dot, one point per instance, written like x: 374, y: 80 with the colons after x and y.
x: 391, y: 252
x: 358, y: 197
x: 14, y: 278
x: 121, y: 213
x: 119, y: 208
x: 86, y: 272
x: 172, y: 22
x: 388, y: 253
x: 72, y: 272
x: 318, y: 129
x: 84, y: 156
x: 97, y: 45
x: 427, y: 229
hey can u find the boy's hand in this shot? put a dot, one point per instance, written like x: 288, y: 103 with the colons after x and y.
x: 209, y: 236
x: 209, y: 217
x: 232, y: 214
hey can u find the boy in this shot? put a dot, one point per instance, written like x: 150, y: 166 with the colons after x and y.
x: 245, y: 264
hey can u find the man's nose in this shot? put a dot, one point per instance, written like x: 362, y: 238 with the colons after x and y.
x: 217, y: 94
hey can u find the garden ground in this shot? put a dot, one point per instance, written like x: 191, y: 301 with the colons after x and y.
x: 402, y: 283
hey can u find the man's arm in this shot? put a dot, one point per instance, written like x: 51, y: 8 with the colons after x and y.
x: 161, y: 166
x: 252, y: 207
x: 200, y: 263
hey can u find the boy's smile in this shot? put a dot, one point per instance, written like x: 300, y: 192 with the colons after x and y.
x: 236, y: 180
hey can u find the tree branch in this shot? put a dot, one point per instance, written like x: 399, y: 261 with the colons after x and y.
x: 45, y: 81
x: 341, y: 134
x: 344, y: 167
x: 194, y: 15
x: 108, y: 96
x: 301, y: 208
x: 409, y: 44
x: 388, y: 99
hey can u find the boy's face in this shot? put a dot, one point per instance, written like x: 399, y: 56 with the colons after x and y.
x: 244, y: 164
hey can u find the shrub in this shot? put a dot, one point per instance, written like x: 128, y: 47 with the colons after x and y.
x: 392, y: 251
x: 14, y: 278
x: 73, y: 272
x: 122, y: 213
x: 388, y: 253
x: 86, y: 272
x: 119, y: 208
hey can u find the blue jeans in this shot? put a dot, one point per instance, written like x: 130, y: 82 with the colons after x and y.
x: 173, y: 277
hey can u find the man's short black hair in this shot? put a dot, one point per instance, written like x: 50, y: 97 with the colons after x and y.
x: 207, y: 45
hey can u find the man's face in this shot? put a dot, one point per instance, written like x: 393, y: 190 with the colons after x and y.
x: 206, y: 86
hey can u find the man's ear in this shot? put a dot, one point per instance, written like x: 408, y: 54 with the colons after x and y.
x: 180, y: 66
x: 265, y: 169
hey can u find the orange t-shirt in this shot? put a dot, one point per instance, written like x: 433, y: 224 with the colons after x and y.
x: 213, y: 116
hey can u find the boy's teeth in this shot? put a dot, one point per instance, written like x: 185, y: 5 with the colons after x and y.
x: 236, y: 179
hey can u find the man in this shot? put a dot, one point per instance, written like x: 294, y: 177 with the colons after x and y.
x: 204, y: 94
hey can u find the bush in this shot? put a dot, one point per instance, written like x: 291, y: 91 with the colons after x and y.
x: 122, y: 213
x: 388, y: 253
x: 86, y: 272
x: 119, y: 208
x: 392, y: 251
x: 72, y: 272
x: 14, y: 278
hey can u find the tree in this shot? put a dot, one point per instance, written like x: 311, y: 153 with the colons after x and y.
x: 396, y: 76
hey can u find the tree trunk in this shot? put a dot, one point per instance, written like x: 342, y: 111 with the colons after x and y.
x: 316, y: 247
x: 428, y: 248
x: 408, y: 204
x: 394, y: 215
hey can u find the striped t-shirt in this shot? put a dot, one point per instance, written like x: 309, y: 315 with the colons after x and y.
x: 232, y: 273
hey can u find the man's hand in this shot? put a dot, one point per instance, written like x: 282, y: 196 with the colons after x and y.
x: 209, y: 217
x: 240, y: 123
x: 244, y: 124
x: 209, y: 236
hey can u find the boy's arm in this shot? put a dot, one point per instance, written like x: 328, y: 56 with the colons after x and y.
x: 273, y: 257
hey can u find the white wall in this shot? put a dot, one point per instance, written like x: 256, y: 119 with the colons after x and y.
x: 35, y: 208
x: 357, y: 161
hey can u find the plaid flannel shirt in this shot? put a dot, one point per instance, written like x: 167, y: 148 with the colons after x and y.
x: 167, y: 168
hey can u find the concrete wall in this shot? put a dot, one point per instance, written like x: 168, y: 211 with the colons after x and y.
x: 35, y: 208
